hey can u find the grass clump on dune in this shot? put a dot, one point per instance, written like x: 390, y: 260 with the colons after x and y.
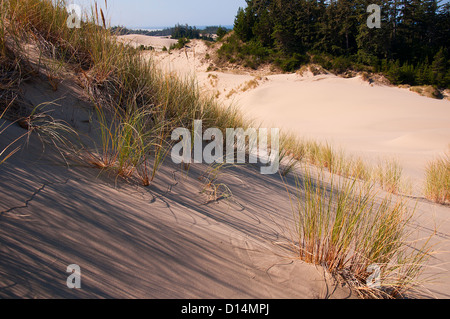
x: 127, y: 142
x: 349, y: 229
x: 137, y: 105
x: 437, y: 187
x: 389, y: 176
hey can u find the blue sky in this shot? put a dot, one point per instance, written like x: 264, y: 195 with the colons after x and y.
x: 153, y: 13
x: 165, y: 13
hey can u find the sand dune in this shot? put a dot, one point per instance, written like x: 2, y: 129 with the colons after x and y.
x: 166, y: 241
x: 170, y: 240
x: 374, y: 121
x: 364, y: 119
x: 137, y: 40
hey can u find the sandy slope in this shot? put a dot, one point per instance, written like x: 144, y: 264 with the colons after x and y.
x: 169, y: 241
x: 375, y: 121
x: 141, y: 243
x: 165, y: 241
x: 137, y: 40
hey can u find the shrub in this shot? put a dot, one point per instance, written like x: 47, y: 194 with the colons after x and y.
x: 341, y: 64
x: 322, y: 60
x: 292, y: 63
x: 428, y: 91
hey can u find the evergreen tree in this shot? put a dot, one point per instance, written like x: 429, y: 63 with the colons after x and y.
x: 221, y: 32
x: 413, y: 34
x: 243, y: 24
x: 439, y: 68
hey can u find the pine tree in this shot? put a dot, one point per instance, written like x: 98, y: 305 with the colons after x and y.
x: 407, y: 47
x: 424, y: 74
x: 263, y: 28
x: 243, y: 24
x: 439, y: 68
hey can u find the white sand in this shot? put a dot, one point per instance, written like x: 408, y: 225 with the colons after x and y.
x: 166, y: 241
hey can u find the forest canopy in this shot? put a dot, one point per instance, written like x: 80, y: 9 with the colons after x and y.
x: 411, y: 47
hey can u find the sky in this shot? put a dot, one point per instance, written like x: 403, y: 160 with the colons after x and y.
x: 165, y: 13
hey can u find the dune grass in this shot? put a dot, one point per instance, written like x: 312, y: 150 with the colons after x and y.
x: 7, y: 150
x: 120, y: 81
x: 388, y: 174
x: 211, y: 186
x: 49, y: 130
x: 127, y: 141
x: 437, y: 185
x: 136, y: 104
x: 348, y: 228
x: 339, y: 224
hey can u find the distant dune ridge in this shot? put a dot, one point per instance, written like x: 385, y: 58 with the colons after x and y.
x: 137, y: 40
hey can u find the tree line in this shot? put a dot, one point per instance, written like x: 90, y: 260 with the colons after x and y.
x: 179, y: 31
x: 411, y: 47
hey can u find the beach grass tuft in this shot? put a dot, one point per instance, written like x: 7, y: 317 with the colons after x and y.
x: 437, y: 185
x: 388, y: 174
x: 350, y: 228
